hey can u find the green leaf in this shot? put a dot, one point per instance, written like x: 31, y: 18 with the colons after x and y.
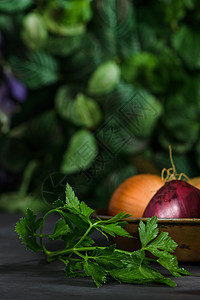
x: 64, y: 103
x: 74, y: 219
x: 34, y: 32
x: 81, y: 152
x: 149, y: 231
x: 136, y: 270
x: 58, y: 203
x: 114, y: 27
x: 105, y: 26
x: 71, y: 201
x: 170, y: 263
x: 160, y: 247
x: 96, y: 272
x: 37, y: 70
x: 136, y: 63
x: 26, y: 229
x: 87, y: 111
x: 73, y: 205
x: 82, y: 110
x: 14, y: 6
x: 120, y: 216
x: 74, y: 236
x: 75, y: 268
x: 108, y: 258
x: 104, y: 79
x: 67, y: 18
x: 60, y: 229
x: 114, y: 229
x: 187, y: 43
x: 163, y: 242
x: 109, y: 262
x: 126, y: 38
x: 140, y: 274
x: 86, y: 210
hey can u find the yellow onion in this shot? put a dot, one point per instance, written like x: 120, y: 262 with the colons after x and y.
x: 133, y: 195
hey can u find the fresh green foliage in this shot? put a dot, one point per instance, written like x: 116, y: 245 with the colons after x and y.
x: 80, y: 153
x: 39, y: 69
x: 126, y: 72
x: 188, y: 48
x: 104, y: 79
x: 34, y: 32
x: 60, y: 229
x: 82, y: 258
x: 81, y: 111
x: 67, y: 17
x: 27, y: 228
x: 148, y: 232
x: 10, y: 6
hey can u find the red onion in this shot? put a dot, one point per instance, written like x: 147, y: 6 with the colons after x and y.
x: 176, y: 199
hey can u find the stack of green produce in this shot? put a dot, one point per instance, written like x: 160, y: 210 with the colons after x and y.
x: 109, y: 83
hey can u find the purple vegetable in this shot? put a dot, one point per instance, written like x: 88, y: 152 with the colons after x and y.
x: 176, y: 199
x: 11, y: 92
x: 17, y: 90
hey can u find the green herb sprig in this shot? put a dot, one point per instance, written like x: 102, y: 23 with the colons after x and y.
x: 83, y: 258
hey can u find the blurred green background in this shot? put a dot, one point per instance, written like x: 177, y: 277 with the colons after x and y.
x: 93, y: 92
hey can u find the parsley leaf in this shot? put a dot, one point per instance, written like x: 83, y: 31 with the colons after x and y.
x: 149, y: 231
x: 74, y: 206
x: 120, y: 216
x: 60, y: 229
x: 58, y: 203
x: 160, y: 246
x: 26, y: 228
x: 163, y: 242
x: 170, y: 262
x: 114, y: 229
x: 75, y: 268
x: 97, y: 272
x: 85, y: 210
x: 140, y: 273
x: 72, y: 202
x: 108, y: 257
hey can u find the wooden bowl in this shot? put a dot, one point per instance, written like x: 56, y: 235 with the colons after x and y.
x: 185, y: 232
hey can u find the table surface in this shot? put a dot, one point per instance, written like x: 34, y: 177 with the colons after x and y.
x: 26, y: 275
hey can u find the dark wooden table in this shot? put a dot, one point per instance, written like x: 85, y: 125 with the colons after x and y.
x: 25, y: 275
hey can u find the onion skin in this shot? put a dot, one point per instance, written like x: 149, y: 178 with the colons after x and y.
x: 133, y: 195
x: 176, y: 199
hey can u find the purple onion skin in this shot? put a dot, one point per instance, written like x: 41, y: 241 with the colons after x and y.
x: 176, y: 199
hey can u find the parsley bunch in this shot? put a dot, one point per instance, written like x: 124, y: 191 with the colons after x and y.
x: 82, y: 258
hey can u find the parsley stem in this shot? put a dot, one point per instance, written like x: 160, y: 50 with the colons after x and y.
x: 47, y: 252
x: 41, y: 235
x: 85, y: 234
x: 79, y: 254
x: 73, y: 250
